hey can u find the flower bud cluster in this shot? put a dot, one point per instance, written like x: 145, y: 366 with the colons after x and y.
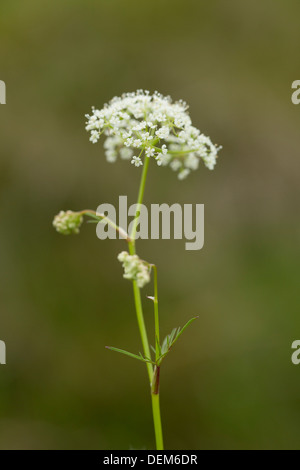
x: 135, y: 268
x: 67, y: 222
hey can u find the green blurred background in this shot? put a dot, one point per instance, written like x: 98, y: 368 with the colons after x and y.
x: 229, y: 383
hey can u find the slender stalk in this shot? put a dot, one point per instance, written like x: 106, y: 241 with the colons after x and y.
x: 153, y: 375
x: 156, y: 317
x: 101, y: 218
x: 157, y: 421
x: 140, y: 200
x: 156, y: 373
x: 136, y: 290
x: 142, y: 327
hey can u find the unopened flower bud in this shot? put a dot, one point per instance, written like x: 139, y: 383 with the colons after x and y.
x: 67, y: 222
x: 135, y: 269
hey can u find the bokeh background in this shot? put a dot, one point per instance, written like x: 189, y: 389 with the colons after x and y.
x: 229, y: 383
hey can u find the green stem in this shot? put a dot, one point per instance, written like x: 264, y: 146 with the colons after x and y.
x: 156, y: 373
x: 157, y: 421
x: 136, y: 290
x: 156, y: 316
x: 101, y: 218
x: 140, y: 200
x: 153, y: 376
x: 142, y: 326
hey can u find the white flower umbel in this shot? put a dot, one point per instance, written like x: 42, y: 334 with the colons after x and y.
x: 157, y: 127
x: 68, y: 222
x: 134, y: 268
x: 136, y: 161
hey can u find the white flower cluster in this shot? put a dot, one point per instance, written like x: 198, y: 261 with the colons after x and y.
x: 155, y: 126
x: 67, y: 222
x: 134, y: 268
